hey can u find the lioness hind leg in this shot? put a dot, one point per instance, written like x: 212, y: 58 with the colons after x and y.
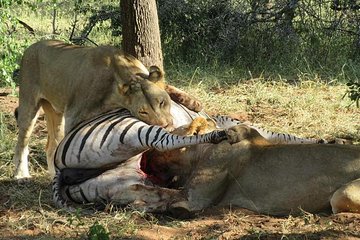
x: 347, y: 198
x: 55, y: 126
x: 26, y: 117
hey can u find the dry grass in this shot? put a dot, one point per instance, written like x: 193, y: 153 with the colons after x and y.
x: 308, y: 109
x: 311, y: 109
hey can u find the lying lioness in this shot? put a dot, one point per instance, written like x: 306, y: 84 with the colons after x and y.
x: 73, y: 83
x: 266, y: 178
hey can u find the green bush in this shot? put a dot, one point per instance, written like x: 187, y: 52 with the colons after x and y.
x: 284, y: 37
x: 10, y: 47
x: 353, y: 92
x: 15, y: 37
x: 98, y: 232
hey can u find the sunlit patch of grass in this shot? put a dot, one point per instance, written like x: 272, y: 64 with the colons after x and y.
x: 306, y: 108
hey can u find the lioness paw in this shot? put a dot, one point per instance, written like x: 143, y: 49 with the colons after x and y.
x: 188, y: 101
x: 198, y: 126
x: 183, y: 98
x: 237, y: 133
x: 193, y: 104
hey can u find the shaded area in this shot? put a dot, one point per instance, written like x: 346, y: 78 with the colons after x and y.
x: 26, y: 210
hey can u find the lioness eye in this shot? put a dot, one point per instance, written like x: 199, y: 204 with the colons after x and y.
x: 162, y: 103
x: 144, y: 113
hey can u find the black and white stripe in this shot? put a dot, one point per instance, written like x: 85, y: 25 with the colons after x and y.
x: 99, y: 159
x: 116, y: 136
x: 111, y: 139
x: 225, y: 122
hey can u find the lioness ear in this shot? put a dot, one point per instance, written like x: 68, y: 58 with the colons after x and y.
x: 143, y: 75
x: 156, y: 74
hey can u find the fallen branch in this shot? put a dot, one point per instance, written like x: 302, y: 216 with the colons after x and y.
x: 27, y: 27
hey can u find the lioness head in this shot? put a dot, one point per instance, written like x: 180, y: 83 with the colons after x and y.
x: 146, y: 102
x: 140, y: 91
x: 158, y: 108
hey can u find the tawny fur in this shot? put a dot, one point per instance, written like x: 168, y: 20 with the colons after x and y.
x: 278, y: 179
x: 74, y: 83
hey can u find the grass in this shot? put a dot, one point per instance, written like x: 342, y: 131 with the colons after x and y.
x: 305, y: 108
x: 305, y: 105
x: 309, y: 109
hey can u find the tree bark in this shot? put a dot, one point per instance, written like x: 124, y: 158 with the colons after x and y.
x: 141, y: 33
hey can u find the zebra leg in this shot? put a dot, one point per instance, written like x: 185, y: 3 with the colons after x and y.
x: 225, y: 121
x: 123, y: 185
x: 273, y: 137
x: 71, y: 176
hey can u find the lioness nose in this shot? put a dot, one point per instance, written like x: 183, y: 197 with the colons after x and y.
x: 168, y: 125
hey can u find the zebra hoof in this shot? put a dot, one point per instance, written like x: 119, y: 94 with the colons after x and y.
x: 340, y: 141
x: 180, y: 210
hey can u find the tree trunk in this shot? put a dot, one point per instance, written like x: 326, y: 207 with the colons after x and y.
x: 141, y: 34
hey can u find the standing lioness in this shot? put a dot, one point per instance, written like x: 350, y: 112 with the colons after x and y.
x: 73, y: 83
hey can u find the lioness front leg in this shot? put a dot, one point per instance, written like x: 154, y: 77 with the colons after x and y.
x: 184, y: 98
x: 26, y: 115
x: 198, y: 126
x: 241, y: 133
x: 157, y: 76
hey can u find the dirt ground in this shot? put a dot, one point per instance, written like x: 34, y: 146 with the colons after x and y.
x: 217, y: 223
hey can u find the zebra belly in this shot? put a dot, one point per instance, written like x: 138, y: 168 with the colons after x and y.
x: 99, y: 149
